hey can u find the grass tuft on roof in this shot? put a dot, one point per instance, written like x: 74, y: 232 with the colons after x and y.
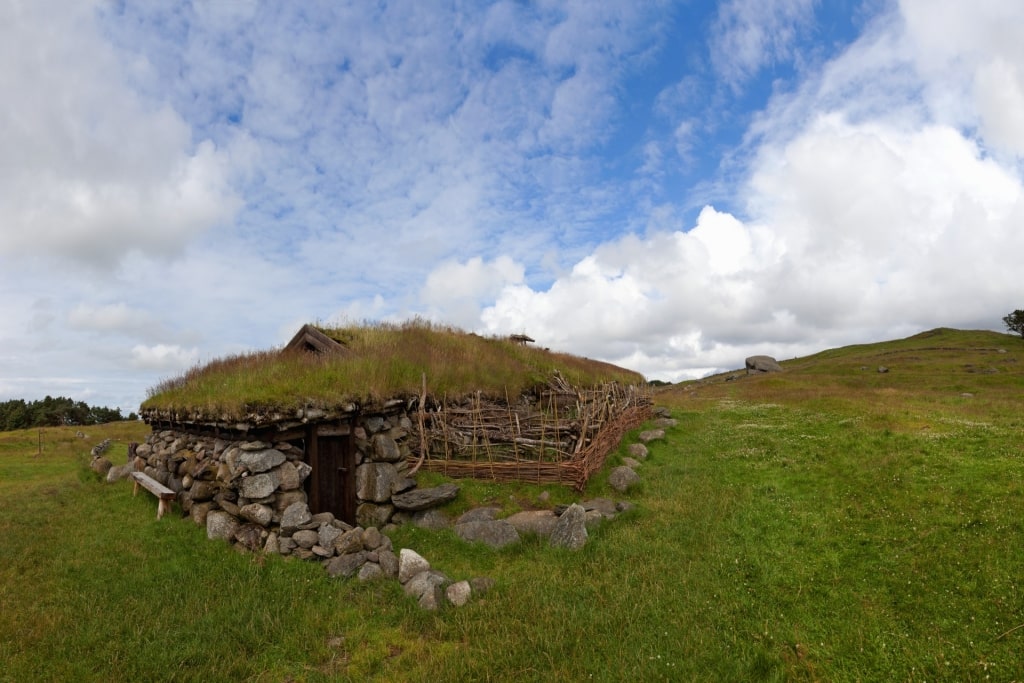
x: 382, y: 361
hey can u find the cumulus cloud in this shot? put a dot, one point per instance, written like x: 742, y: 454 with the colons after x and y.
x: 92, y: 169
x: 459, y: 289
x: 858, y: 223
x: 163, y: 357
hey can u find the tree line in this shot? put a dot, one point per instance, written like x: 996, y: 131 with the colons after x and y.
x: 55, y: 412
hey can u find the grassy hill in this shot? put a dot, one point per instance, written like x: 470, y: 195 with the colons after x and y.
x: 827, y: 523
x: 378, y: 362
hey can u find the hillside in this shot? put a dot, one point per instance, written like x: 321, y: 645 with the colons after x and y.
x: 828, y: 523
x: 939, y: 366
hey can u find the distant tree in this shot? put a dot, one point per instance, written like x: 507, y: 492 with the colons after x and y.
x: 1015, y: 322
x: 54, y: 412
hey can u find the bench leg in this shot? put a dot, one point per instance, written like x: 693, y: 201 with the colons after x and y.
x: 161, y: 508
x: 135, y: 489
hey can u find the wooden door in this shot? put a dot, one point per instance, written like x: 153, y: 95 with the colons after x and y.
x: 332, y: 483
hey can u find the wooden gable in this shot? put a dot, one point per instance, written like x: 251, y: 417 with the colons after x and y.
x: 312, y: 340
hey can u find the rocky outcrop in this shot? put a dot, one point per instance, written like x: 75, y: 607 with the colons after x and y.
x: 762, y: 364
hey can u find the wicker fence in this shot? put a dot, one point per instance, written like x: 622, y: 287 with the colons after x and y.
x: 562, y: 435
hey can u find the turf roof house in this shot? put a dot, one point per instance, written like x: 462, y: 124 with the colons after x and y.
x: 355, y: 459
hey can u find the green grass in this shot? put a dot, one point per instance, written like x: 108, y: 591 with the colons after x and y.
x: 382, y: 361
x: 828, y: 523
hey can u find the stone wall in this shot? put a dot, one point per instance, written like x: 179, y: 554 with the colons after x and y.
x: 250, y: 492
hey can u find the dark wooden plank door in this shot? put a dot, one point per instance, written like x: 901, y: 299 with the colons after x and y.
x: 333, y: 479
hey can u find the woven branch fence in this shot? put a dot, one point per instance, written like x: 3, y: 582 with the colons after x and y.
x: 561, y: 436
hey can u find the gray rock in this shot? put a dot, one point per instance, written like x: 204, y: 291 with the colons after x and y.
x: 388, y: 562
x: 638, y: 451
x: 304, y: 469
x: 371, y: 514
x: 631, y: 463
x: 327, y: 534
x: 570, y: 531
x: 322, y: 518
x: 305, y: 538
x: 496, y: 534
x: 623, y: 478
x: 258, y: 485
x: 605, y: 506
x: 253, y: 446
x: 250, y: 536
x: 384, y: 449
x: 346, y: 566
x: 459, y: 593
x: 882, y: 369
x: 100, y: 466
x: 370, y: 572
x: 410, y: 563
x: 349, y: 542
x: 285, y: 499
x: 199, y: 511
x: 421, y: 499
x: 257, y: 513
x: 375, y: 481
x: 372, y: 538
x: 539, y: 522
x: 295, y: 515
x: 431, y: 519
x: 288, y: 476
x: 757, y: 364
x: 118, y: 472
x: 430, y: 581
x: 220, y: 525
x: 203, y: 490
x: 261, y: 461
x: 665, y: 422
x: 272, y: 544
x: 485, y: 514
x: 651, y: 435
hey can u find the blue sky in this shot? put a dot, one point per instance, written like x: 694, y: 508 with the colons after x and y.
x: 671, y: 186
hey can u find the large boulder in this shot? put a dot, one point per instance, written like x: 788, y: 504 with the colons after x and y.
x: 570, y: 531
x: 221, y: 525
x: 261, y: 461
x: 623, y: 478
x: 539, y: 522
x: 496, y: 533
x: 756, y: 364
x: 375, y: 481
x: 421, y: 499
x: 295, y: 515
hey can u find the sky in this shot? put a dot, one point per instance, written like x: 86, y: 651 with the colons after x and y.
x: 669, y: 186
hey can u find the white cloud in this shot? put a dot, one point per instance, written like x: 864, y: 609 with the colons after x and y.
x: 863, y: 231
x: 163, y: 357
x: 750, y: 34
x: 92, y: 170
x: 117, y: 317
x: 459, y: 289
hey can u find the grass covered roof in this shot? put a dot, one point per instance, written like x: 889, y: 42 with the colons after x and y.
x: 380, y: 361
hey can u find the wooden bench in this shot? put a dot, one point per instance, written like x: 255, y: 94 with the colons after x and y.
x: 163, y: 494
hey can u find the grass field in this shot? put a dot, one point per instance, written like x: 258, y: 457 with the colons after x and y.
x: 828, y: 523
